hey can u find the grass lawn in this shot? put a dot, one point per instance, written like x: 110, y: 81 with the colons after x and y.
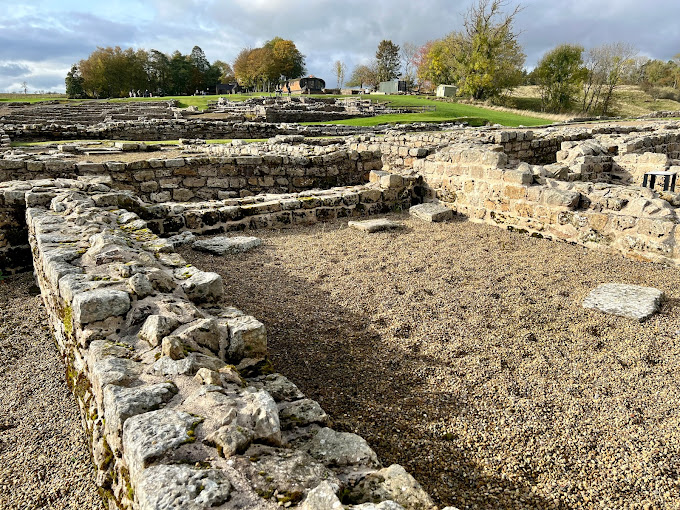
x: 31, y: 98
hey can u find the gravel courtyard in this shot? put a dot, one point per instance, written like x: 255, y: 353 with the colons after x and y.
x: 462, y: 352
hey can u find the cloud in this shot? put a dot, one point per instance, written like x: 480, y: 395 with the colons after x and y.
x: 13, y: 70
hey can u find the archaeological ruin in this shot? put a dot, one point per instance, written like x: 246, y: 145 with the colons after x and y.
x: 180, y: 404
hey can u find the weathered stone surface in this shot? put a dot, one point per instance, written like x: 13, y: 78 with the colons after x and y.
x: 230, y: 440
x: 247, y: 338
x: 99, y: 304
x: 260, y: 414
x: 393, y: 483
x: 122, y: 403
x: 341, y: 449
x: 203, y: 287
x: 141, y: 285
x: 186, y: 366
x: 278, y: 386
x: 378, y: 225
x: 301, y: 413
x: 148, y: 436
x: 110, y: 370
x: 322, y: 497
x: 156, y: 327
x: 631, y: 301
x: 172, y: 347
x: 384, y: 505
x: 290, y: 473
x: 431, y: 212
x: 223, y: 245
x: 203, y: 332
x: 174, y: 487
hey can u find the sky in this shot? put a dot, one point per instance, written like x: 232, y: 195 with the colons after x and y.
x: 41, y: 39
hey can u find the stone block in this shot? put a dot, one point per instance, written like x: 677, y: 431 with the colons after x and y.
x: 431, y: 212
x: 631, y: 301
x: 377, y: 225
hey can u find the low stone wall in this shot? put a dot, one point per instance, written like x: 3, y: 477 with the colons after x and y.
x: 632, y: 220
x: 206, y: 178
x: 175, y: 129
x: 180, y: 405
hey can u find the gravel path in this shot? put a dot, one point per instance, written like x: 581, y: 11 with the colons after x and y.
x: 462, y: 352
x: 44, y: 456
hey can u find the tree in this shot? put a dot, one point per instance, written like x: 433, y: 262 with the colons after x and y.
x: 74, y: 83
x: 340, y: 69
x: 491, y: 59
x: 559, y: 75
x: 287, y: 61
x: 408, y: 56
x: 226, y: 72
x: 387, y: 58
x: 158, y: 72
x: 606, y: 65
x: 242, y: 71
x: 364, y: 75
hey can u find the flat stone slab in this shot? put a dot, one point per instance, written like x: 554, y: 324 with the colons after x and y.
x: 378, y: 225
x: 223, y: 245
x: 631, y: 301
x: 431, y: 212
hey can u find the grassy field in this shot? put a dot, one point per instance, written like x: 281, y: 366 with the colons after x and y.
x: 31, y: 98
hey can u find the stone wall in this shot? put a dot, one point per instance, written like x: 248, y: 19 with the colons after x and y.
x: 632, y: 220
x: 206, y: 178
x: 174, y: 129
x: 179, y: 402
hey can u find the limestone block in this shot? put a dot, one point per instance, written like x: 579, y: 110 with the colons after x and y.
x: 392, y: 181
x: 172, y: 347
x: 148, y: 436
x: 140, y: 285
x: 561, y: 198
x: 301, y: 413
x: 190, y: 365
x: 341, y: 449
x: 247, y: 338
x: 393, y: 483
x: 279, y: 387
x: 203, y: 332
x: 377, y: 225
x: 178, y: 486
x: 99, y: 304
x: 631, y: 301
x: 230, y: 440
x: 122, y: 403
x: 110, y: 370
x: 156, y: 327
x: 322, y: 497
x: 223, y: 245
x: 203, y: 287
x: 432, y: 212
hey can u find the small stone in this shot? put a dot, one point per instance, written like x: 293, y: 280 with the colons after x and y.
x: 631, y: 301
x: 207, y: 376
x: 172, y: 347
x: 322, y: 497
x: 341, y: 449
x: 247, y: 338
x: 230, y: 440
x: 301, y: 413
x: 189, y: 365
x: 377, y: 225
x: 396, y: 484
x: 223, y: 245
x: 431, y: 212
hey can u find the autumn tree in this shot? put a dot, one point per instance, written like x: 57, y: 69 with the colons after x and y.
x: 491, y: 59
x: 265, y: 66
x: 387, y: 59
x: 408, y: 56
x: 559, y: 75
x: 226, y: 72
x: 286, y: 59
x: 364, y: 75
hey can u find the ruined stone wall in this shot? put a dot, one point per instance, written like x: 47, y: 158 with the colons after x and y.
x: 628, y: 219
x: 179, y: 128
x: 179, y: 402
x: 15, y: 253
x: 206, y: 178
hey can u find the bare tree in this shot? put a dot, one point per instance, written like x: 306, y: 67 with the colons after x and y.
x: 340, y: 71
x: 408, y: 59
x: 606, y: 65
x: 24, y: 86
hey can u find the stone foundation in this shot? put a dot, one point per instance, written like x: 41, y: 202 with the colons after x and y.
x: 179, y: 403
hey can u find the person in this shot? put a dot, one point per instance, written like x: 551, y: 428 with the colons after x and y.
x: 288, y: 88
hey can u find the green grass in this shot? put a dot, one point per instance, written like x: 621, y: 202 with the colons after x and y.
x: 31, y: 98
x: 445, y: 112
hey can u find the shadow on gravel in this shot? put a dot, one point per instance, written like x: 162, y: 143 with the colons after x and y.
x: 366, y: 385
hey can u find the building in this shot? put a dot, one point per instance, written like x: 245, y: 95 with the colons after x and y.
x: 308, y: 85
x: 446, y: 90
x: 392, y: 87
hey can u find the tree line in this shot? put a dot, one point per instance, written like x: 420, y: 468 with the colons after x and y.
x: 114, y: 72
x: 485, y: 62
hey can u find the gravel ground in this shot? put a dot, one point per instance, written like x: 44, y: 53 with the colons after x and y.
x: 462, y: 352
x: 44, y: 456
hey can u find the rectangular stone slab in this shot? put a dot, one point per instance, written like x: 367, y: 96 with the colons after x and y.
x: 631, y: 301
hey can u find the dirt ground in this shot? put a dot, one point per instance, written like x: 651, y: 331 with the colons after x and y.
x: 462, y: 352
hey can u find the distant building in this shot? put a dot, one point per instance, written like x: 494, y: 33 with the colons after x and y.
x: 392, y: 87
x: 308, y: 85
x: 446, y: 90
x: 227, y: 88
